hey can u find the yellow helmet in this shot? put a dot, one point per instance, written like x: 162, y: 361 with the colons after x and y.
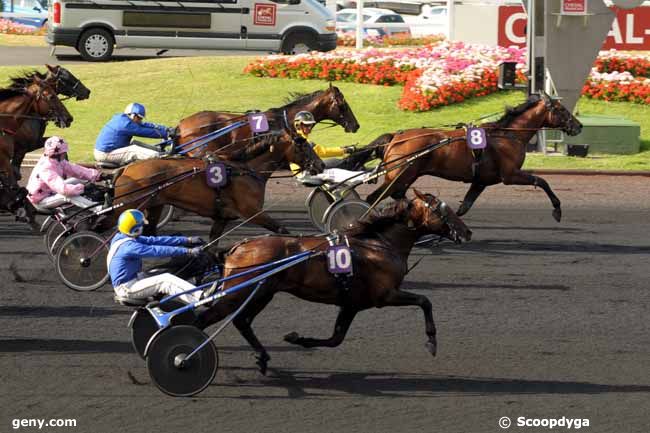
x: 131, y: 222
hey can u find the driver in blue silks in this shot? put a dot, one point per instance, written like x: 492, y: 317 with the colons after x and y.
x: 114, y: 142
x: 125, y: 255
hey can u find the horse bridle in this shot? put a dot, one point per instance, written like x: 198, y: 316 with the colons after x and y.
x: 63, y: 82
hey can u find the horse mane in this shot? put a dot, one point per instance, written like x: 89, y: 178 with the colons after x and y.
x: 512, y: 113
x: 299, y: 97
x: 246, y: 153
x: 376, y: 222
x: 19, y: 82
x: 10, y: 93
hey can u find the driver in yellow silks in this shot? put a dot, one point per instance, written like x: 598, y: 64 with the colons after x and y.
x: 303, y: 123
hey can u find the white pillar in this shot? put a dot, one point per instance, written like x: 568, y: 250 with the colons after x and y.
x: 331, y: 5
x: 451, y: 18
x: 359, y: 24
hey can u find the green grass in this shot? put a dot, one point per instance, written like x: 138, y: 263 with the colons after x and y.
x: 22, y: 40
x: 175, y: 88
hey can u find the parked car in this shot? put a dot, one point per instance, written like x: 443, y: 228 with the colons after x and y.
x: 31, y: 13
x: 431, y: 21
x: 374, y: 21
x: 96, y: 27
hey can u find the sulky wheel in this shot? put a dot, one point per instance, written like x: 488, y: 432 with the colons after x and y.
x: 168, y: 368
x: 166, y: 215
x: 343, y: 214
x: 80, y: 261
x: 54, y: 236
x: 144, y: 326
x: 320, y: 200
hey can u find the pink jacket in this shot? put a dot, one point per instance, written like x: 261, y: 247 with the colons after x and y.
x: 48, y: 178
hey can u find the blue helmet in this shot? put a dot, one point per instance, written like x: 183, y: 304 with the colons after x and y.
x: 135, y: 108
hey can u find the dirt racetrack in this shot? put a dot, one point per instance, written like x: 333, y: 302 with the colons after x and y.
x: 535, y: 319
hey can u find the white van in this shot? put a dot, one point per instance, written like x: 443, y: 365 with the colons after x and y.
x: 95, y: 27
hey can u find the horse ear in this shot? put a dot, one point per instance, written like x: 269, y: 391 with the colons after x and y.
x: 49, y: 67
x: 331, y: 85
x: 418, y: 194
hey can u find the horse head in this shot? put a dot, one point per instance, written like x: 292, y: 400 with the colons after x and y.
x: 301, y: 153
x: 65, y: 83
x: 47, y: 104
x: 338, y: 109
x: 433, y: 216
x: 557, y: 116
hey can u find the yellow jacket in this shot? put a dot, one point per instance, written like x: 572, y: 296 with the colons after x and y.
x: 322, y: 152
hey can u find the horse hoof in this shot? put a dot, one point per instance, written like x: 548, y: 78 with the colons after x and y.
x: 431, y: 347
x: 557, y: 214
x: 292, y: 337
x: 262, y: 362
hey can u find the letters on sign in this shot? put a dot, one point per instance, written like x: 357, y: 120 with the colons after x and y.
x: 258, y: 122
x: 339, y: 259
x: 264, y: 14
x: 476, y: 138
x: 216, y: 175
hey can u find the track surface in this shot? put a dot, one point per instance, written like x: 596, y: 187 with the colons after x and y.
x: 535, y: 319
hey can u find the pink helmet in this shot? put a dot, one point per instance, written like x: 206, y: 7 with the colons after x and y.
x: 55, y: 146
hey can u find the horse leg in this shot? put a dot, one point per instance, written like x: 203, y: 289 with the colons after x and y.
x: 343, y: 322
x: 520, y: 178
x: 243, y: 323
x: 399, y: 298
x: 472, y: 194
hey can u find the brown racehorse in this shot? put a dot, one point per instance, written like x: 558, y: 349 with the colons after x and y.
x: 38, y: 100
x: 242, y: 197
x: 500, y: 162
x: 30, y: 135
x: 380, y: 249
x: 327, y: 104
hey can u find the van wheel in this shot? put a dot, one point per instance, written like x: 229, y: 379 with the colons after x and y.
x: 299, y: 43
x: 96, y: 45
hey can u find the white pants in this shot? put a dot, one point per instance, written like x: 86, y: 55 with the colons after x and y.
x: 334, y: 175
x: 126, y: 154
x: 167, y: 284
x: 60, y: 199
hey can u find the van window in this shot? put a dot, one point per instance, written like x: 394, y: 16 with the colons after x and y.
x: 164, y: 19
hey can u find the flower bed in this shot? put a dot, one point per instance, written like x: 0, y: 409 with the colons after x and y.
x: 12, y: 28
x: 349, y: 39
x: 446, y: 72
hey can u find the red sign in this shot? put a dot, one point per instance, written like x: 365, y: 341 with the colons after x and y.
x: 574, y: 7
x: 630, y: 30
x: 512, y: 26
x: 264, y: 14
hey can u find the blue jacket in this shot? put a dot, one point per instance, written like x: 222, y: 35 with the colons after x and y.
x: 117, y: 133
x: 127, y: 261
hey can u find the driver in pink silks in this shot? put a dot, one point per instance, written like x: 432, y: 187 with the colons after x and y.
x: 55, y: 181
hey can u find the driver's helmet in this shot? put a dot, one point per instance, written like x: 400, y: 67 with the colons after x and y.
x: 55, y: 146
x: 135, y: 109
x: 131, y: 222
x: 303, y: 118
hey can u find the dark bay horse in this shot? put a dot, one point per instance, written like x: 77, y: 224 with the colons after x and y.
x: 38, y: 100
x: 329, y: 104
x: 30, y: 135
x: 500, y: 162
x: 242, y: 197
x: 380, y: 249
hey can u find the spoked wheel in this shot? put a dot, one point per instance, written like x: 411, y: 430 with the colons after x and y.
x: 167, y: 366
x: 320, y: 200
x: 343, y: 214
x: 144, y: 326
x: 166, y: 215
x: 81, y: 261
x: 54, y: 236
